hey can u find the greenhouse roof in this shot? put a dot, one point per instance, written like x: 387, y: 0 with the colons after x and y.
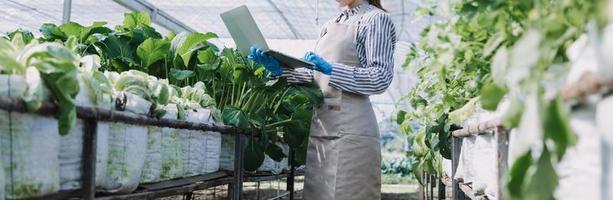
x: 278, y: 19
x: 283, y: 22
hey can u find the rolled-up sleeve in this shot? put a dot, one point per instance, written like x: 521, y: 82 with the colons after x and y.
x: 378, y: 39
x: 298, y: 75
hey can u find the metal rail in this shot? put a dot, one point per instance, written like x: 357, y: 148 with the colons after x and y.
x: 186, y: 186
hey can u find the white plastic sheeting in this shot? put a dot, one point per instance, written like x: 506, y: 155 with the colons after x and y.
x: 477, y: 160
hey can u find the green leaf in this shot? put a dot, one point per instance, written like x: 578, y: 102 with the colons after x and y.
x: 491, y: 95
x: 184, y: 45
x: 207, y: 56
x: 518, y: 173
x: 120, y: 51
x: 208, y: 61
x: 544, y: 181
x: 181, y: 74
x: 400, y: 117
x: 131, y: 20
x: 51, y: 32
x: 235, y: 117
x: 152, y: 50
x: 59, y: 74
x: 556, y: 127
x: 96, y: 27
x: 161, y: 92
x: 71, y: 29
x: 254, y: 155
x: 26, y: 36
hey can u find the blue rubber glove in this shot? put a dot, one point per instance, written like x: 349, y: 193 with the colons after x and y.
x: 320, y: 64
x: 270, y: 63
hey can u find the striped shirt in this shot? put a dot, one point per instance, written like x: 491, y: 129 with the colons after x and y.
x: 376, y: 40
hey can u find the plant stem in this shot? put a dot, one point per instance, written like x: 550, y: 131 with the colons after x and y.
x: 279, y: 123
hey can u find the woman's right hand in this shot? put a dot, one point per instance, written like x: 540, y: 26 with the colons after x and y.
x: 270, y: 63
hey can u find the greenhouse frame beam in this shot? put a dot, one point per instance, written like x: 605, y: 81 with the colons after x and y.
x: 291, y: 27
x: 66, y: 11
x: 157, y: 15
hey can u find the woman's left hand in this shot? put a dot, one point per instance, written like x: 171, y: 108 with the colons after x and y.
x: 320, y: 64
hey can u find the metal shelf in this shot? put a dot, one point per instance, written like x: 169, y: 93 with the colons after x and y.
x: 91, y: 116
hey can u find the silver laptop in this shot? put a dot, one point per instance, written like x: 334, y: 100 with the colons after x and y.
x: 246, y: 33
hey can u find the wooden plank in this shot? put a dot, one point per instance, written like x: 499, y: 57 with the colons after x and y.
x: 170, y: 191
x: 270, y: 177
x: 183, y: 181
x: 58, y: 196
x: 502, y: 155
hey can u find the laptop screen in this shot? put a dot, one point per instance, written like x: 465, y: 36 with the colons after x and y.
x: 243, y: 29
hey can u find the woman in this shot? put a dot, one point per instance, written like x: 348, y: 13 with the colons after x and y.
x: 353, y: 59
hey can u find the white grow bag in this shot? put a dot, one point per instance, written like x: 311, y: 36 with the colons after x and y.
x: 172, y: 149
x: 71, y: 149
x: 194, y: 146
x: 226, y: 159
x: 163, y: 159
x: 127, y: 149
x: 213, y: 150
x: 29, y: 145
x: 477, y: 160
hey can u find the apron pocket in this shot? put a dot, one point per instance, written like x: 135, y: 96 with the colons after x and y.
x: 325, y: 121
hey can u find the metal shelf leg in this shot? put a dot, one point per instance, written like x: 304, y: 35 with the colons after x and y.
x: 88, y: 169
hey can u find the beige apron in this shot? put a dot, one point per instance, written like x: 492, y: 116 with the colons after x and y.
x: 344, y: 153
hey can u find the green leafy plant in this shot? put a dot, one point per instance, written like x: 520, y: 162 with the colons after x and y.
x: 239, y: 89
x: 48, y: 64
x: 488, y: 51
